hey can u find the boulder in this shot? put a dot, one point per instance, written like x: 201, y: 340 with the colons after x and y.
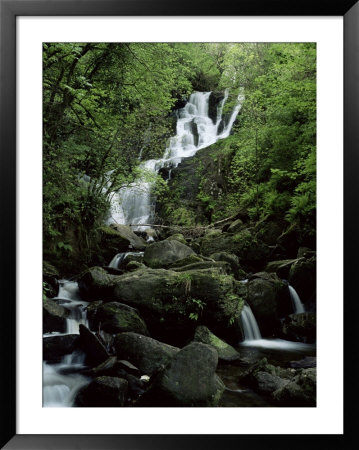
x: 268, y: 383
x: 103, y: 392
x: 233, y: 261
x: 170, y: 301
x: 134, y: 265
x: 54, y: 316
x: 221, y: 266
x: 225, y: 351
x: 235, y: 226
x: 300, y: 327
x: 118, y: 238
x: 148, y: 354
x: 54, y: 347
x: 177, y: 237
x: 114, y: 317
x: 300, y: 391
x: 189, y: 379
x: 50, y: 276
x: 191, y: 259
x: 96, y: 284
x: 163, y: 253
x: 281, y: 268
x: 307, y: 362
x: 264, y: 292
x: 302, y: 277
x: 95, y: 351
x: 268, y: 231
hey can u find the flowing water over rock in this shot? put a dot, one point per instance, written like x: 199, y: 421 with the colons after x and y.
x: 61, y: 382
x: 297, y: 304
x: 135, y: 204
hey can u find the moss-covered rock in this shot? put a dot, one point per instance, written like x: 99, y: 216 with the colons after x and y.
x: 300, y: 391
x: 118, y: 238
x: 96, y: 284
x: 225, y: 351
x: 302, y: 277
x: 54, y: 316
x: 148, y: 354
x: 235, y: 226
x: 191, y: 259
x: 163, y: 253
x: 177, y: 237
x: 189, y: 379
x: 281, y: 268
x: 233, y: 261
x: 50, y: 276
x: 95, y: 351
x: 114, y: 317
x: 103, y: 392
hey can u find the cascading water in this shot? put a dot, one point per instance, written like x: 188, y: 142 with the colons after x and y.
x: 60, y: 381
x: 250, y: 326
x: 134, y: 204
x: 297, y: 304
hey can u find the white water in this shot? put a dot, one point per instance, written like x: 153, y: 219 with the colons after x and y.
x: 297, y: 304
x: 279, y: 344
x: 60, y: 386
x: 250, y: 326
x: 134, y: 204
x: 118, y: 259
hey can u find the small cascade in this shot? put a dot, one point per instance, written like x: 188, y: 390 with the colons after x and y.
x: 195, y: 130
x: 60, y: 381
x: 120, y: 258
x: 298, y: 306
x: 250, y: 326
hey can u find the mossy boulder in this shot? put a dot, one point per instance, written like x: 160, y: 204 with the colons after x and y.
x: 50, y: 276
x: 221, y: 266
x: 148, y: 354
x: 235, y: 226
x: 233, y: 261
x: 281, y: 268
x: 134, y: 265
x: 103, y: 392
x: 300, y: 391
x: 169, y: 300
x: 96, y: 284
x: 264, y: 298
x: 189, y: 379
x: 114, y: 317
x: 163, y: 253
x: 118, y: 238
x: 225, y: 351
x: 300, y: 327
x: 177, y: 237
x: 191, y: 259
x: 54, y: 316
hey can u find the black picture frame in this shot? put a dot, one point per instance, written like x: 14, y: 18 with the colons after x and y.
x: 9, y: 10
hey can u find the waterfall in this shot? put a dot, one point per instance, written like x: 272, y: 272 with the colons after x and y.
x: 297, y: 304
x: 60, y: 383
x: 195, y: 130
x: 250, y: 326
x: 119, y: 259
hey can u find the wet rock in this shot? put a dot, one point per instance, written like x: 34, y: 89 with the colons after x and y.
x: 134, y: 265
x: 54, y: 316
x: 307, y: 362
x: 144, y: 352
x: 163, y: 253
x: 188, y: 380
x: 103, y: 392
x: 302, y: 277
x: 114, y: 317
x: 268, y: 383
x: 54, y: 347
x: 225, y: 351
x: 281, y: 268
x: 95, y: 351
x: 300, y: 327
x: 233, y: 261
x: 300, y: 391
x: 124, y: 237
x: 263, y: 297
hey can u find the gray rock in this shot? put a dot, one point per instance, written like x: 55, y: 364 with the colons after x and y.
x: 225, y: 351
x: 95, y: 351
x: 54, y: 347
x: 148, y: 354
x: 54, y: 316
x: 163, y: 253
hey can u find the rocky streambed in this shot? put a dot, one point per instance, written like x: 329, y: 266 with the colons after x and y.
x: 165, y: 328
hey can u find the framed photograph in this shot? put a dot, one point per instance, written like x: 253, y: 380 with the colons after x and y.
x: 174, y: 185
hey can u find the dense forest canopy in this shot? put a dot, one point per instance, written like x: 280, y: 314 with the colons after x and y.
x: 104, y: 103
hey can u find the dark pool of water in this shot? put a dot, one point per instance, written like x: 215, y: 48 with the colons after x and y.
x: 279, y: 353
